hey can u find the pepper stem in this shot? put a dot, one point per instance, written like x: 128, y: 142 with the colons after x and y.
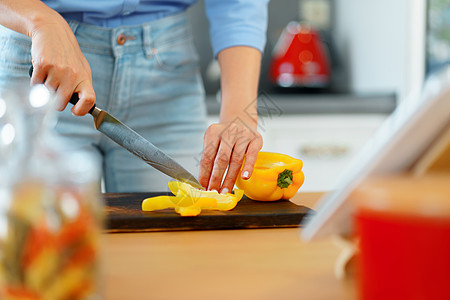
x: 284, y: 179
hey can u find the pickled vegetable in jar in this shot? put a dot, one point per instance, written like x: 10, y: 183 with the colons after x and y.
x: 50, y: 216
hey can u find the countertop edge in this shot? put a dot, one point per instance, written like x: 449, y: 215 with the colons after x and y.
x: 289, y: 104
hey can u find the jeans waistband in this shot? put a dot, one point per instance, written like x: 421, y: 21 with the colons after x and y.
x: 128, y: 39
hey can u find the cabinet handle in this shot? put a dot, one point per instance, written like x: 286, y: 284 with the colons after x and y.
x: 324, y: 151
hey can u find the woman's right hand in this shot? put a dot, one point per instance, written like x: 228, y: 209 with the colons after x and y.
x: 59, y: 63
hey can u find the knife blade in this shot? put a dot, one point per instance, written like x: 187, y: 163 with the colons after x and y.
x: 136, y: 144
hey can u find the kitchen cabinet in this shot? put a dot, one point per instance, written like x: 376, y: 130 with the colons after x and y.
x: 325, y: 143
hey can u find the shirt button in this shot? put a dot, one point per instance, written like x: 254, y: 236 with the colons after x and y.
x: 121, y: 39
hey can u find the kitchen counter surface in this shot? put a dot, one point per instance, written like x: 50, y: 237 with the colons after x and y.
x: 320, y: 103
x: 223, y: 264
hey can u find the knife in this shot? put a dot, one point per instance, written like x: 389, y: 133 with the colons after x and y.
x: 136, y: 144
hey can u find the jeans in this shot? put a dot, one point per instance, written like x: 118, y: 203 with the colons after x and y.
x: 148, y: 77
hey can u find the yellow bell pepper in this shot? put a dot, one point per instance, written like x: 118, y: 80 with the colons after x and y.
x: 189, y: 201
x: 275, y: 176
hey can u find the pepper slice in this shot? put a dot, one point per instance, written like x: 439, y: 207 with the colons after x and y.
x: 189, y: 201
x: 275, y: 176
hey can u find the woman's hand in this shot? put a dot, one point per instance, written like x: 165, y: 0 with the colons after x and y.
x: 56, y: 56
x: 224, y: 149
x: 59, y: 63
x: 234, y: 138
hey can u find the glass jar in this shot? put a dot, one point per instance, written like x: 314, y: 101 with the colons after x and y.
x: 51, y: 212
x: 403, y: 225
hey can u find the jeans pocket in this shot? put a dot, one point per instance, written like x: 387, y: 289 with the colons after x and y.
x: 15, y: 53
x: 179, y: 56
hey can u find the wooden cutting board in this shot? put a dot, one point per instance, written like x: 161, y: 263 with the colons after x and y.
x: 124, y: 214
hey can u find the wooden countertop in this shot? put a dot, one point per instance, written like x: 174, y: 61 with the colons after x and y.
x: 222, y: 264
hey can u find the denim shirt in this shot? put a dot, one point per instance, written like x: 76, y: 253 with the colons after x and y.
x: 232, y: 22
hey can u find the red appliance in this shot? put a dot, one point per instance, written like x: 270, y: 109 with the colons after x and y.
x: 300, y: 59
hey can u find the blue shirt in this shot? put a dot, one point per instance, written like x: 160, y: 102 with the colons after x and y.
x: 232, y: 22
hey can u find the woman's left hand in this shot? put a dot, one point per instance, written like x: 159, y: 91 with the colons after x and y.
x: 235, y: 137
x: 224, y: 149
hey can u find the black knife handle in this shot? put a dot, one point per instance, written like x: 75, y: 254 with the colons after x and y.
x: 73, y: 100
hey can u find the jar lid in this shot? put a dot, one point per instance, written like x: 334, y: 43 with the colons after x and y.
x: 427, y: 196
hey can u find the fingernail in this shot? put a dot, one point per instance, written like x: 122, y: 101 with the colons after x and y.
x: 245, y: 174
x: 224, y: 191
x: 58, y: 106
x: 214, y: 190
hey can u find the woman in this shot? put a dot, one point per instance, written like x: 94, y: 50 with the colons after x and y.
x: 136, y: 60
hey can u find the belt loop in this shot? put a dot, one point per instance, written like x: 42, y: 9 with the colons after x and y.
x: 74, y: 25
x: 147, y: 41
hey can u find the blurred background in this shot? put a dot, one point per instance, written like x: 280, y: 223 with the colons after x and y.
x: 364, y: 58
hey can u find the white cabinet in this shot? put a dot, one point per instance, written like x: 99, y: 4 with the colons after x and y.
x: 325, y: 143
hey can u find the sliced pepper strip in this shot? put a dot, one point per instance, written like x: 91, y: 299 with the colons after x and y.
x: 157, y: 203
x: 190, y: 211
x: 189, y: 201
